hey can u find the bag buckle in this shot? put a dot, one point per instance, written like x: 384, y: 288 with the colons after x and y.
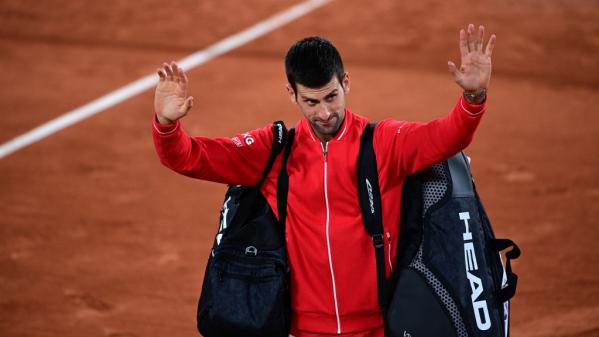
x: 251, y: 250
x: 378, y: 240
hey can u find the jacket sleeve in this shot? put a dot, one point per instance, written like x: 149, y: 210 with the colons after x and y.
x: 407, y: 147
x: 239, y: 160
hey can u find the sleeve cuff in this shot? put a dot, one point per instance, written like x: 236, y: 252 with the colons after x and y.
x: 165, y: 129
x: 472, y: 109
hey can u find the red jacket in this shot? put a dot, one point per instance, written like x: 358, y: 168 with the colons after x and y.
x: 333, y: 271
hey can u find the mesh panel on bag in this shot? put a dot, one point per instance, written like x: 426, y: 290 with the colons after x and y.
x: 442, y: 294
x: 434, y: 189
x: 434, y: 186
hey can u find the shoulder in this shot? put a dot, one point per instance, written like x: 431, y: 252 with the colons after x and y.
x: 261, y: 136
x: 390, y: 133
x: 387, y: 129
x: 354, y: 123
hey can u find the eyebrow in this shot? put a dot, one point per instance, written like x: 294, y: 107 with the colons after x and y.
x: 308, y: 99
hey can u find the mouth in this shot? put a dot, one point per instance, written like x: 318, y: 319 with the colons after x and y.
x: 330, y: 122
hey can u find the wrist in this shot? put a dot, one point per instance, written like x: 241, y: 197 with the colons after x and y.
x: 163, y: 121
x: 475, y: 96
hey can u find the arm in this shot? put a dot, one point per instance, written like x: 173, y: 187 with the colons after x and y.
x: 408, y: 147
x: 414, y: 146
x: 237, y: 161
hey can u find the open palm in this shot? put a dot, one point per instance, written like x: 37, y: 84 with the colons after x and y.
x: 474, y: 72
x: 170, y: 99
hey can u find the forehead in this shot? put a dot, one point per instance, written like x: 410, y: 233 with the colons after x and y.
x: 318, y: 92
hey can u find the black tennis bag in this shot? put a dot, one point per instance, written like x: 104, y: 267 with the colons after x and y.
x: 246, y: 283
x: 450, y: 279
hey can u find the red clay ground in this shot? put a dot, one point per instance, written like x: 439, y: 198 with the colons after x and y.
x: 97, y: 239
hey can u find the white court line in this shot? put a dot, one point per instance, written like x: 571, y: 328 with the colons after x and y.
x: 147, y: 82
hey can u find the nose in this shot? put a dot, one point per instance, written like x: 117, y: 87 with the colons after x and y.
x: 323, y: 112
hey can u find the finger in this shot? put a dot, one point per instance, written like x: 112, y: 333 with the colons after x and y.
x: 168, y: 70
x: 183, y: 76
x: 451, y: 66
x: 453, y: 70
x: 161, y: 74
x: 175, y: 71
x: 187, y: 105
x: 463, y: 43
x: 183, y: 80
x: 471, y: 38
x: 479, y: 41
x: 490, y: 45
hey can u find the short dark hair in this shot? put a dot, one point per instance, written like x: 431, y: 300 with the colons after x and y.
x: 312, y: 62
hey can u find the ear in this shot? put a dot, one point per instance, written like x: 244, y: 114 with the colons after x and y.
x: 291, y: 93
x: 345, y: 83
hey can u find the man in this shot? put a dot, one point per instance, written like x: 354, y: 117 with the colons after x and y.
x: 333, y: 271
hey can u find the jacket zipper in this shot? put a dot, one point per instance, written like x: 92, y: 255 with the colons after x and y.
x: 389, y: 243
x: 326, y: 200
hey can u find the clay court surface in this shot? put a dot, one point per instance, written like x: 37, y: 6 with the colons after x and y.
x: 98, y: 239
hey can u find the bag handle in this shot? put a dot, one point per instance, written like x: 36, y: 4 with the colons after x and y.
x: 505, y: 294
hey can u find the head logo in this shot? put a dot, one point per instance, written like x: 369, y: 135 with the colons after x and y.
x: 476, y: 285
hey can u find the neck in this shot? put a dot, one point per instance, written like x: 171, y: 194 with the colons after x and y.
x: 323, y: 138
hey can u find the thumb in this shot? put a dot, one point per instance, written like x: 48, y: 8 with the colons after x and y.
x: 187, y: 105
x: 453, y: 70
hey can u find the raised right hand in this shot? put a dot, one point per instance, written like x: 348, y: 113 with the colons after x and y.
x: 170, y: 99
x: 475, y: 71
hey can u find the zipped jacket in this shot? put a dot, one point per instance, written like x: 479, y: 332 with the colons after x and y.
x: 333, y: 266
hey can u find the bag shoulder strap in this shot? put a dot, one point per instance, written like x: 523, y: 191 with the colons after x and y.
x: 280, y: 135
x: 370, y: 203
x: 283, y: 181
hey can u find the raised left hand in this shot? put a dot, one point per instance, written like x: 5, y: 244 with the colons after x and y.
x: 474, y: 72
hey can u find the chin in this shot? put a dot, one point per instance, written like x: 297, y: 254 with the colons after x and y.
x: 330, y: 131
